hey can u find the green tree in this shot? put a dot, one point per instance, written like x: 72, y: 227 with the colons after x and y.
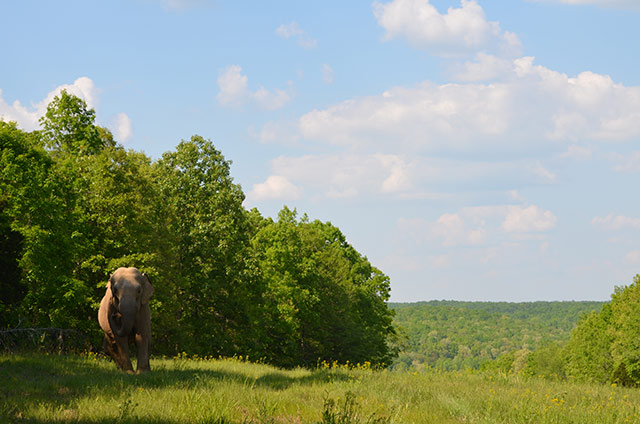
x: 212, y: 286
x: 77, y: 215
x: 69, y: 125
x: 323, y: 300
x: 587, y: 355
x: 605, y: 346
x: 625, y: 332
x: 23, y: 170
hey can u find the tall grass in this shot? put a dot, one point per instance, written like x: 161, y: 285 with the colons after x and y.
x: 88, y: 389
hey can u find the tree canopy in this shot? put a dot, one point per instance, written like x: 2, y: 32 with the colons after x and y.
x: 605, y: 346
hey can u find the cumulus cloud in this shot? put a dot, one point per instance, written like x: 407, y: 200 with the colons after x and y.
x: 342, y: 176
x: 460, y: 30
x: 123, y: 127
x: 479, y: 225
x: 27, y: 116
x: 293, y: 30
x: 531, y: 103
x: 233, y: 86
x: 377, y: 175
x: 616, y: 222
x: 453, y: 230
x: 520, y: 219
x: 275, y: 187
x: 484, y: 67
x: 577, y: 152
x: 626, y: 163
x: 234, y: 91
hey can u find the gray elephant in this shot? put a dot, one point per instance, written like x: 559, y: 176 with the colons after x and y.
x: 124, y: 316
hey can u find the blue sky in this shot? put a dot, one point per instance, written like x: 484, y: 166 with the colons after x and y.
x: 472, y: 150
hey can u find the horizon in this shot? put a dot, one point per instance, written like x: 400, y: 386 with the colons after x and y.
x: 469, y: 149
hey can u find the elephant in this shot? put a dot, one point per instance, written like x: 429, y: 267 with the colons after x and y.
x: 124, y: 316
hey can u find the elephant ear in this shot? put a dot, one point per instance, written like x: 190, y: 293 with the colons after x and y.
x: 147, y: 290
x: 109, y: 283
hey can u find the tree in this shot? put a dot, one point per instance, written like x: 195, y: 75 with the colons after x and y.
x: 212, y: 286
x: 587, y: 355
x: 69, y: 125
x: 20, y: 175
x: 605, y: 346
x: 625, y: 332
x: 323, y: 300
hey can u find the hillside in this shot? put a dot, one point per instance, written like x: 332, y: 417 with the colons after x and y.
x: 85, y: 389
x: 456, y: 335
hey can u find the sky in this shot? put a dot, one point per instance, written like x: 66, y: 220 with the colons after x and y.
x: 472, y: 150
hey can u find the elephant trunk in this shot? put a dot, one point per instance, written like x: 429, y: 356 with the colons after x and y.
x: 122, y: 321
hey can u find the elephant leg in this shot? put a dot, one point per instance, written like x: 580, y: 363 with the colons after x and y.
x: 142, y: 344
x: 122, y: 354
x: 110, y: 348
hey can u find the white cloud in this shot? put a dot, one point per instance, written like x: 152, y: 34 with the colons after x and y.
x: 275, y: 187
x: 27, y: 116
x: 272, y: 100
x: 616, y: 4
x: 327, y: 74
x: 485, y: 67
x: 543, y: 173
x: 347, y: 176
x: 577, y: 152
x: 293, y: 30
x: 123, y: 127
x: 479, y: 225
x: 460, y: 30
x: 531, y: 104
x: 452, y: 230
x: 522, y: 219
x: 617, y: 222
x: 233, y: 86
x: 234, y: 91
x: 626, y: 163
x: 376, y: 175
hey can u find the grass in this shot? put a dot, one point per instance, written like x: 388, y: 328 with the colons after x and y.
x: 88, y: 389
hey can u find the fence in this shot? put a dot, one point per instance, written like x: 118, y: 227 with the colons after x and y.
x: 58, y: 340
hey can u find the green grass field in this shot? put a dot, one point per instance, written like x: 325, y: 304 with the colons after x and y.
x: 88, y: 389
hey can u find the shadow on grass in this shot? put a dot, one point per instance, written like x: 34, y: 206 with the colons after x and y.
x: 55, y: 380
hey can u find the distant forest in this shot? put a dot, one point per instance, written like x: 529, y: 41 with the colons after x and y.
x: 456, y: 335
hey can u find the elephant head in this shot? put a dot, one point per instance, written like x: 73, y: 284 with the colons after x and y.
x: 128, y: 290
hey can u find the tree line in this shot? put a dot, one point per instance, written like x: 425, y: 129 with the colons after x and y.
x: 595, y: 342
x: 454, y: 335
x: 75, y: 205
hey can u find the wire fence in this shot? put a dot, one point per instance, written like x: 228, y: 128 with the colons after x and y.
x: 58, y: 340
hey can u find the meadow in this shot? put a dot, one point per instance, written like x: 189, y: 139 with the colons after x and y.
x: 38, y: 388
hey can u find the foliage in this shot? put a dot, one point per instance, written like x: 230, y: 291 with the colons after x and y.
x: 605, y: 346
x: 75, y: 205
x: 212, y: 286
x: 53, y: 388
x: 69, y: 126
x: 457, y: 335
x: 588, y: 352
x: 324, y: 300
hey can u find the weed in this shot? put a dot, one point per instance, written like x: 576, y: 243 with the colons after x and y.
x: 126, y: 408
x: 347, y: 412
